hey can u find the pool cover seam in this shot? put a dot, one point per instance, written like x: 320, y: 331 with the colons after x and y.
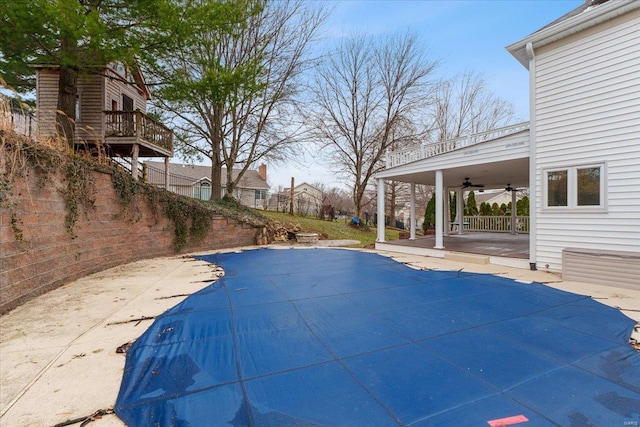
x: 245, y: 396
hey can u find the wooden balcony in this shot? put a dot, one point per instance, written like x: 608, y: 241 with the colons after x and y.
x: 123, y: 129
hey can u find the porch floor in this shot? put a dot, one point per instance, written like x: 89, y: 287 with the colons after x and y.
x: 492, y: 244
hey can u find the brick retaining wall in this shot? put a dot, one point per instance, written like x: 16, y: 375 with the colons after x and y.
x: 48, y: 256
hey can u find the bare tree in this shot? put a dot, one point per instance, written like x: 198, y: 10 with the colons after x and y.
x: 362, y: 93
x: 234, y: 91
x: 464, y: 105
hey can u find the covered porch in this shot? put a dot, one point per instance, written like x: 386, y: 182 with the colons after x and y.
x: 497, y: 159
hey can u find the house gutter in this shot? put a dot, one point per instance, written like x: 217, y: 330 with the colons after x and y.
x: 587, y: 19
x: 533, y: 193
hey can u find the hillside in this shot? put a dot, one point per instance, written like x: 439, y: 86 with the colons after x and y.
x: 333, y: 230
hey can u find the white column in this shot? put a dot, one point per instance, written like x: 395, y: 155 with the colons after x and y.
x: 513, y: 211
x: 412, y: 234
x: 439, y: 211
x: 380, y: 210
x: 460, y: 209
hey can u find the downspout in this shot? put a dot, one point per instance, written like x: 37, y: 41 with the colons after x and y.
x: 533, y: 193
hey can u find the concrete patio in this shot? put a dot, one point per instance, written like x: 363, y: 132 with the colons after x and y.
x: 472, y: 247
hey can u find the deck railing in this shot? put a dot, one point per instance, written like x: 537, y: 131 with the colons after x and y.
x: 425, y: 151
x: 138, y: 125
x: 497, y: 224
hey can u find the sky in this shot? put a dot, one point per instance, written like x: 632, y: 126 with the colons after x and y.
x: 462, y: 35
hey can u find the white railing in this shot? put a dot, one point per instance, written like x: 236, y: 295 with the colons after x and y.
x: 496, y: 224
x: 425, y: 151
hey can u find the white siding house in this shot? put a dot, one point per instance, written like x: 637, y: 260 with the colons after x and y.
x: 582, y: 147
x: 585, y: 128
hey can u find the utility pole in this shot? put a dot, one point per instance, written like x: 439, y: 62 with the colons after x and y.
x: 291, y: 198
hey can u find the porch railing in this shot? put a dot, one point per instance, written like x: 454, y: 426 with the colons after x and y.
x: 496, y: 224
x: 138, y: 125
x: 397, y: 158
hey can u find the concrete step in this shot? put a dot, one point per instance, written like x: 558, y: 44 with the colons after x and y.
x: 470, y: 258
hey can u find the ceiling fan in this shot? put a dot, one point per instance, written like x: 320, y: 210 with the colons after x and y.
x: 467, y: 184
x: 510, y: 188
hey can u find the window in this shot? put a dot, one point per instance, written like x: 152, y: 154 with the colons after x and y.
x: 78, y: 108
x: 261, y: 194
x: 557, y: 188
x: 588, y: 180
x: 578, y: 187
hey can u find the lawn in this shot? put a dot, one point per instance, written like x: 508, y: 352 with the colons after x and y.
x: 334, y: 230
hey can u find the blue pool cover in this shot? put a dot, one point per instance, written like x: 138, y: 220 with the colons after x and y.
x: 330, y: 337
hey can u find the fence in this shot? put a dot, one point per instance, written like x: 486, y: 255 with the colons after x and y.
x: 497, y: 224
x: 18, y: 117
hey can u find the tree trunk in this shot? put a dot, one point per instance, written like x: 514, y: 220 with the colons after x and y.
x: 66, y: 109
x: 230, y: 185
x: 216, y: 162
x: 216, y: 178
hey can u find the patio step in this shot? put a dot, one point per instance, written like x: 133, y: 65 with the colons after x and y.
x: 469, y: 258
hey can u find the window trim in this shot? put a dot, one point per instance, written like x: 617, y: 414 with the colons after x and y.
x: 572, y: 189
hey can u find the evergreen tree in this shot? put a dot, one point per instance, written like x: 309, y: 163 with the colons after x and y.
x: 472, y: 205
x: 430, y: 215
x: 522, y: 206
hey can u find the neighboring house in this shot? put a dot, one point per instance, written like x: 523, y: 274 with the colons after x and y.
x: 195, y: 181
x: 579, y: 155
x: 307, y: 200
x: 492, y: 197
x: 110, y: 113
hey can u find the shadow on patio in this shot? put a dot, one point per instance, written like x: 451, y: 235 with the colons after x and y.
x: 491, y: 244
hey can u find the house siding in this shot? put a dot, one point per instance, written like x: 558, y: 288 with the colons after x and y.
x: 116, y: 88
x: 89, y: 126
x: 47, y: 101
x: 588, y: 112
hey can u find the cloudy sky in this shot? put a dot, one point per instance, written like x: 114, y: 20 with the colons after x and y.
x: 463, y: 35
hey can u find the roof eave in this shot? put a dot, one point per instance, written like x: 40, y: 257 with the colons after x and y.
x: 587, y: 19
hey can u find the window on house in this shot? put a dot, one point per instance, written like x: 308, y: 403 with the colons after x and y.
x: 588, y: 185
x: 261, y: 194
x: 575, y: 187
x: 557, y: 188
x: 78, y: 109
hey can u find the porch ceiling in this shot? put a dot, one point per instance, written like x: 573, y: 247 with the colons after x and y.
x: 493, y: 175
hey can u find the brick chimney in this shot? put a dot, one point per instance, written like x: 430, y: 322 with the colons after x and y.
x: 262, y: 171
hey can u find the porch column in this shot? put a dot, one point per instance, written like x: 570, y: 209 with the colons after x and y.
x: 134, y: 161
x: 439, y: 210
x: 412, y: 233
x: 460, y: 210
x: 380, y: 224
x: 166, y: 173
x: 513, y: 212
